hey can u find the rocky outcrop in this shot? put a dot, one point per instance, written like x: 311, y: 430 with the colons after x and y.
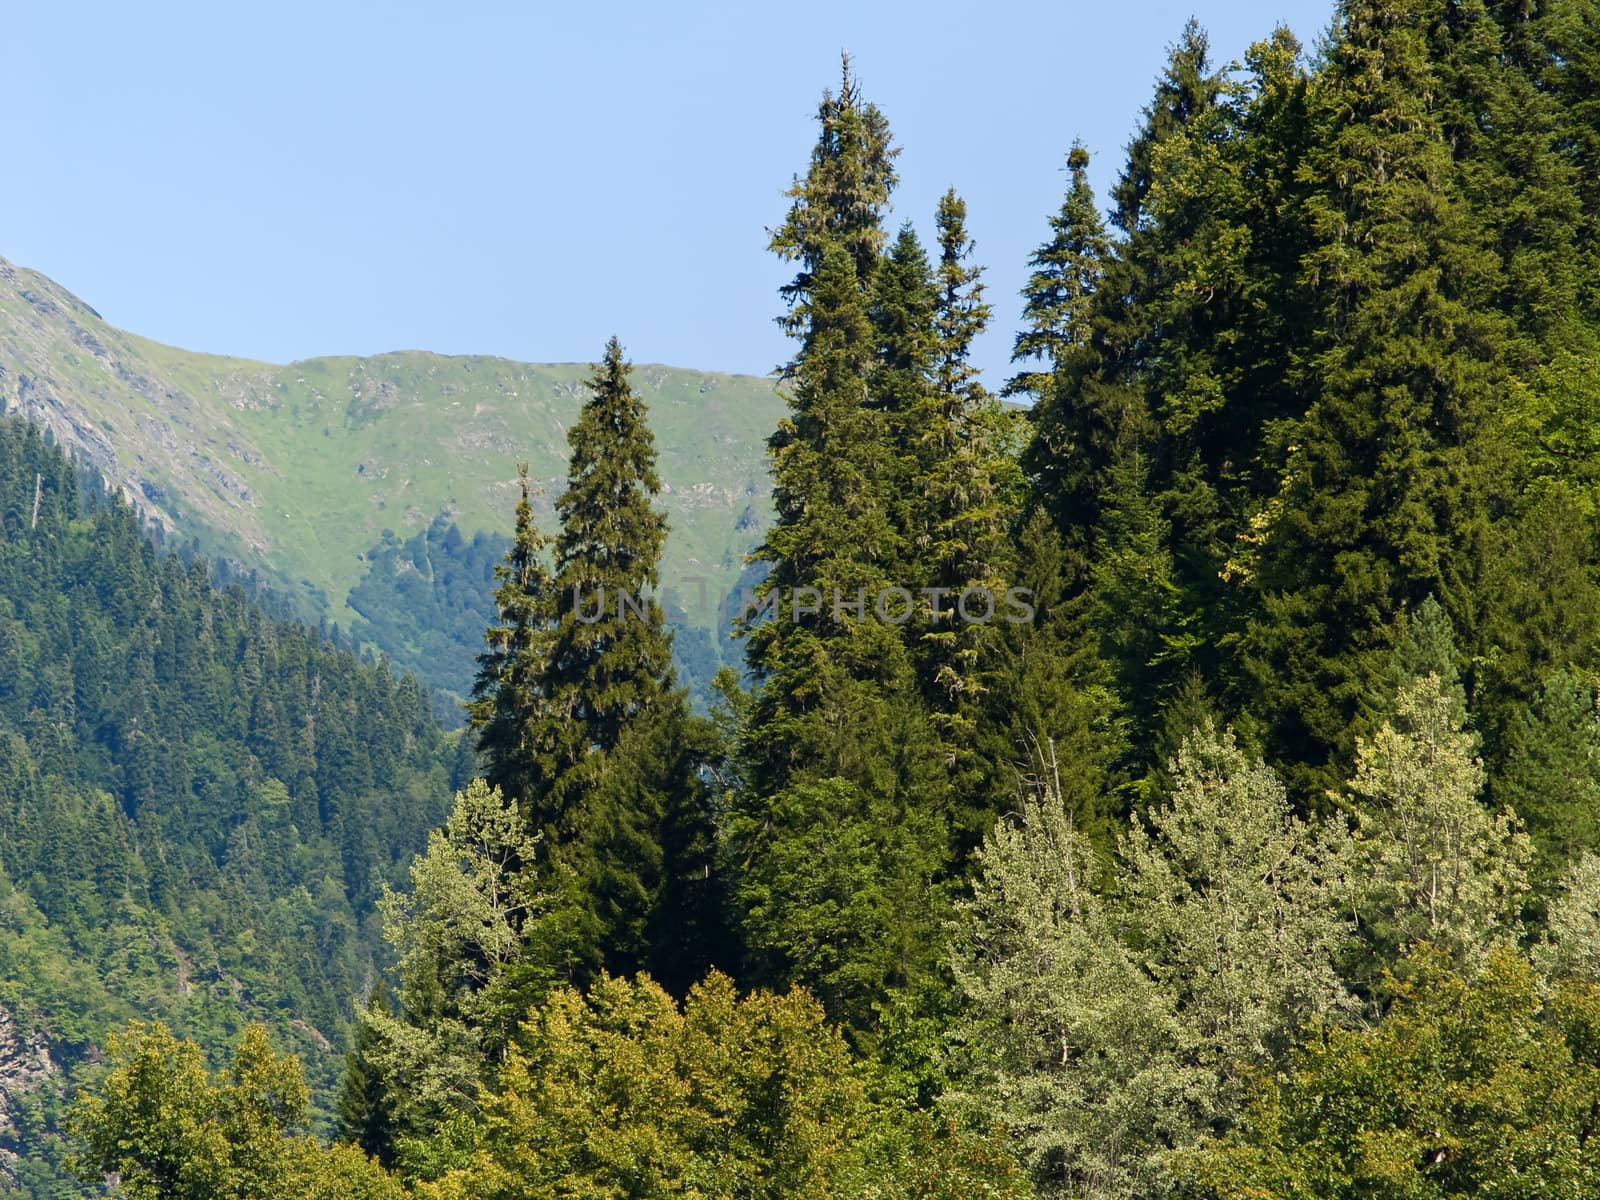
x: 26, y: 1067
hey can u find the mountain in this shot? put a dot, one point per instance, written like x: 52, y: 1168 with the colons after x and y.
x: 199, y: 803
x: 312, y: 473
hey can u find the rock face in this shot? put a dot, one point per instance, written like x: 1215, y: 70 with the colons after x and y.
x: 25, y: 1068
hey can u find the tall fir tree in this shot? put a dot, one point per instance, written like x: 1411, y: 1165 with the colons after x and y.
x: 836, y: 709
x: 842, y: 198
x: 577, y: 707
x: 610, y: 657
x: 1187, y: 87
x: 1057, y: 299
x: 961, y: 520
x: 615, y: 778
x: 366, y: 1106
x: 1384, y: 494
x: 511, y: 670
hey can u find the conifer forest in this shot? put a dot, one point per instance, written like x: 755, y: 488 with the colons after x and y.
x: 1175, y: 773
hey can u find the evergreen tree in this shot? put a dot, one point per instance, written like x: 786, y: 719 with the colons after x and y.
x: 616, y: 787
x: 841, y: 200
x: 1505, y: 128
x: 960, y: 526
x: 1057, y: 298
x: 1186, y: 88
x: 1384, y: 496
x: 1217, y: 255
x: 1551, y: 777
x: 1572, y: 75
x: 1440, y: 868
x: 609, y: 658
x: 512, y: 671
x: 366, y: 1106
x: 831, y: 550
x: 1051, y: 708
x: 836, y: 700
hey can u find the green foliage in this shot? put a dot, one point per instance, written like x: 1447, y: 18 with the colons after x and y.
x: 622, y: 1093
x: 1440, y: 868
x: 1551, y: 777
x: 1471, y: 1085
x: 1057, y: 299
x: 170, y: 1130
x: 471, y: 952
x: 1384, y: 492
x: 426, y: 602
x: 366, y: 1109
x: 1308, y: 450
x: 576, y: 707
x: 840, y: 201
x: 1065, y: 1038
x: 509, y: 686
x: 1570, y: 945
x: 842, y: 892
x: 1104, y: 1032
x: 200, y: 802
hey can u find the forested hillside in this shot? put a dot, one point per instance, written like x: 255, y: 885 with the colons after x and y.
x: 303, y: 473
x: 1190, y: 788
x: 199, y: 803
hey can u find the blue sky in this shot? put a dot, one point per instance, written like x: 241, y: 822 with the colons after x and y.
x: 292, y: 179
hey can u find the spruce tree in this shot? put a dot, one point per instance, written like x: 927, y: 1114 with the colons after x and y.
x: 1551, y: 776
x: 960, y: 527
x: 1057, y: 299
x: 610, y: 655
x: 366, y: 1108
x: 611, y: 724
x: 1568, y: 28
x: 1098, y: 411
x: 836, y: 702
x: 1221, y: 238
x: 1187, y: 87
x: 842, y: 198
x: 1383, y: 497
x: 901, y: 314
x: 511, y: 671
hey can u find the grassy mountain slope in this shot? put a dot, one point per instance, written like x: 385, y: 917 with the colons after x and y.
x: 297, y: 470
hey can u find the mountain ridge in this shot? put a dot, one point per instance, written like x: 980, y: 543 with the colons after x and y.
x: 297, y: 470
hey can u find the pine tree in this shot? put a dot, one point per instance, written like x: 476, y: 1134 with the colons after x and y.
x: 1187, y: 87
x: 841, y: 200
x: 366, y: 1107
x: 511, y: 672
x: 611, y: 723
x: 1057, y: 299
x: 1383, y: 497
